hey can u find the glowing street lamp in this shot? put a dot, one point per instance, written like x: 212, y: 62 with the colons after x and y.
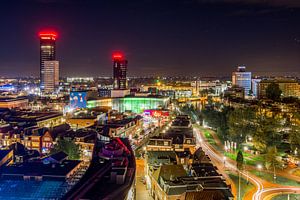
x: 259, y: 167
x: 224, y: 159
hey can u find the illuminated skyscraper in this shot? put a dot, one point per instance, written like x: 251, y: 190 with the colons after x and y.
x: 47, y: 53
x: 242, y: 79
x: 51, y: 76
x: 119, y: 71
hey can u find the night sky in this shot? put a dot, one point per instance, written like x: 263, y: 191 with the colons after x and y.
x: 158, y: 37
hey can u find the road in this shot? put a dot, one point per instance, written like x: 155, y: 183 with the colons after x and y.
x: 141, y: 190
x: 269, y: 193
x: 263, y: 189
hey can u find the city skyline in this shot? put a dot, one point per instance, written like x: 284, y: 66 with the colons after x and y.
x: 199, y: 38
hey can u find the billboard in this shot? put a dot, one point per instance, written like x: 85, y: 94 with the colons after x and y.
x: 157, y: 113
x: 78, y: 99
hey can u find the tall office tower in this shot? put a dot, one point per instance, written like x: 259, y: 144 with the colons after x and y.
x: 242, y: 79
x: 119, y: 71
x: 47, y: 52
x: 254, y: 86
x: 50, y: 76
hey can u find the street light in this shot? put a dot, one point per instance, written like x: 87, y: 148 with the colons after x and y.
x: 224, y: 159
x: 259, y: 167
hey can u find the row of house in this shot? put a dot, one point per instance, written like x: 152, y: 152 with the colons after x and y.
x: 176, y: 169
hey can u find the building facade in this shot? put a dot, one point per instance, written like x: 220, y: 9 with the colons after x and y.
x: 242, y: 78
x: 289, y: 87
x: 255, y: 84
x: 119, y: 71
x: 51, y: 76
x: 47, y: 52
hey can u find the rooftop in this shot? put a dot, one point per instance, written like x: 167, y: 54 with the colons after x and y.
x: 32, y: 190
x: 38, y: 168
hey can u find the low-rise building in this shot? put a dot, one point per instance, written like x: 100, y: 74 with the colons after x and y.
x: 17, y: 102
x: 126, y: 127
x: 176, y: 170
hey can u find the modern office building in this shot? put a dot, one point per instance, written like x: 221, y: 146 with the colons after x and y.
x: 242, y: 78
x: 50, y: 76
x: 119, y: 71
x: 255, y: 84
x: 47, y: 52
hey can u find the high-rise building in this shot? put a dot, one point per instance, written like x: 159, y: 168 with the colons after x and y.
x: 255, y: 83
x: 119, y: 71
x: 47, y: 52
x: 242, y: 78
x: 50, y: 76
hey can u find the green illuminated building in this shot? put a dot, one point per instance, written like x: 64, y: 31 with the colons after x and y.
x: 139, y: 104
x: 134, y: 104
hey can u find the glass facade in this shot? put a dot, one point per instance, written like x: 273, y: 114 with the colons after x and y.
x: 138, y: 104
x: 242, y: 79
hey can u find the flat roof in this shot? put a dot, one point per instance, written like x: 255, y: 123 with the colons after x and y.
x: 32, y: 190
x: 40, y: 169
x: 33, y: 116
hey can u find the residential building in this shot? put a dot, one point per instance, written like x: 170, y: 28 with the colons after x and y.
x: 289, y: 87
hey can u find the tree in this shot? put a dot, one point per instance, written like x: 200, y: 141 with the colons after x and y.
x: 241, y: 123
x: 239, y: 160
x: 273, y: 92
x: 250, y: 93
x: 267, y: 132
x: 294, y: 132
x: 68, y: 146
x: 217, y: 118
x: 271, y: 161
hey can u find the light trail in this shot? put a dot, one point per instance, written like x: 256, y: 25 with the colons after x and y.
x: 260, y: 191
x: 278, y: 190
x: 214, y: 155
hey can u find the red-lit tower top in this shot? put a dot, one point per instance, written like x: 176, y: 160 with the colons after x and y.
x: 47, y: 52
x: 48, y: 35
x: 117, y: 56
